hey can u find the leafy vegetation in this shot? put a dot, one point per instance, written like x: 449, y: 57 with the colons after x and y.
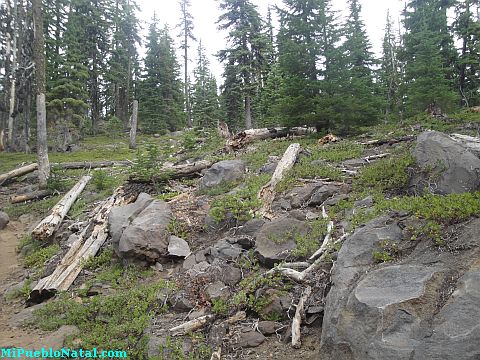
x: 41, y: 255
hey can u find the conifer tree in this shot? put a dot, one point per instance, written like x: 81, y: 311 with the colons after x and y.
x: 205, y: 103
x: 186, y: 34
x: 244, y: 57
x: 428, y: 55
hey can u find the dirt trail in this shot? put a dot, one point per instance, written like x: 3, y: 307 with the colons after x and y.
x: 11, y: 272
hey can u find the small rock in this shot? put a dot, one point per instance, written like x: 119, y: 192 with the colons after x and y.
x: 226, y: 170
x: 225, y: 251
x: 57, y: 339
x: 217, y: 290
x: 181, y: 304
x: 158, y: 267
x: 245, y: 241
x: 200, y: 256
x: 198, y: 313
x: 189, y: 262
x: 268, y: 327
x: 155, y: 342
x: 217, y: 334
x: 367, y: 202
x: 268, y: 168
x: 335, y: 199
x: 250, y: 339
x: 25, y: 315
x: 26, y: 219
x: 251, y: 227
x: 178, y: 247
x: 198, y: 269
x: 311, y: 215
x: 231, y: 275
x: 4, y: 220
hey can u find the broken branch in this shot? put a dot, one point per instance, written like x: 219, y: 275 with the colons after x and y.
x: 191, y: 325
x: 297, y: 319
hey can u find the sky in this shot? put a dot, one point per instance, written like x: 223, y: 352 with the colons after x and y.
x: 206, y: 13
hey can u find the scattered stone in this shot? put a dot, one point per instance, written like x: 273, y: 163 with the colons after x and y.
x: 251, y: 227
x: 217, y: 334
x: 230, y: 274
x: 139, y: 230
x: 197, y: 313
x: 217, y: 290
x: 322, y: 194
x: 275, y: 240
x: 178, y: 247
x: 57, y: 339
x: 226, y: 170
x: 180, y: 303
x: 26, y: 219
x: 301, y: 195
x: 245, y: 241
x: 446, y: 163
x: 334, y: 200
x: 4, y: 220
x: 250, y: 339
x: 268, y: 327
x: 155, y: 343
x: 25, y: 315
x: 269, y: 167
x: 189, y: 262
x: 201, y: 255
x: 158, y: 267
x: 364, y: 203
x: 226, y: 251
x: 278, y: 306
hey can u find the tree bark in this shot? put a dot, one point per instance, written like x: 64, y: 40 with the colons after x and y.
x: 84, y: 247
x: 47, y: 226
x: 18, y: 172
x: 13, y: 78
x: 39, y: 55
x: 35, y: 195
x: 248, y: 112
x: 267, y: 192
x: 297, y: 320
x: 133, y: 126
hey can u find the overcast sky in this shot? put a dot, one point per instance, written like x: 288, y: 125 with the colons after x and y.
x: 206, y: 13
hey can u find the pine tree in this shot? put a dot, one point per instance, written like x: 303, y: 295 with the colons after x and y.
x: 356, y: 103
x: 186, y: 26
x: 205, y: 103
x: 390, y: 76
x: 244, y: 57
x: 161, y: 97
x: 428, y: 55
x: 467, y: 29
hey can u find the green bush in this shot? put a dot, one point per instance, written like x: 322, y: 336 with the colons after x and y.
x: 146, y: 165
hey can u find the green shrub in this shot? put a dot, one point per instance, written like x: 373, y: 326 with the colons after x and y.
x: 40, y: 256
x: 146, y: 165
x: 101, y: 179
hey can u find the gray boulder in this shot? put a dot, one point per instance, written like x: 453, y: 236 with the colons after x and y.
x: 139, y: 230
x: 4, y: 220
x: 178, y: 247
x: 446, y: 165
x: 423, y: 307
x: 226, y: 170
x: 275, y: 241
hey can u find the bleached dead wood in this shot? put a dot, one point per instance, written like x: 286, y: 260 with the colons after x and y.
x: 90, y: 164
x: 191, y: 325
x: 247, y: 136
x: 34, y: 195
x: 470, y: 142
x: 223, y: 130
x: 18, y: 172
x: 325, y: 243
x: 267, y: 192
x: 187, y: 170
x: 239, y: 316
x: 375, y: 157
x: 297, y: 319
x: 217, y: 355
x: 87, y: 244
x: 47, y: 226
x: 388, y: 141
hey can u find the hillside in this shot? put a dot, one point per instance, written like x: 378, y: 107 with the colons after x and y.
x: 369, y: 246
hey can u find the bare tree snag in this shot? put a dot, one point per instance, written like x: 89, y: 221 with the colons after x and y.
x: 191, y: 325
x: 13, y: 77
x: 35, y: 195
x: 18, y: 172
x: 47, y: 226
x: 267, y: 192
x: 133, y: 126
x: 87, y: 244
x: 223, y: 130
x: 245, y: 137
x: 39, y: 57
x: 297, y: 319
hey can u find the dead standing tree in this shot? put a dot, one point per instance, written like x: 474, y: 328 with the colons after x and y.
x: 39, y: 57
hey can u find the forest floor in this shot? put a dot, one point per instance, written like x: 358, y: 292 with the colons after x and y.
x: 23, y: 261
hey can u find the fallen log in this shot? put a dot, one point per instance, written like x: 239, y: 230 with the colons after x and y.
x: 174, y: 172
x: 89, y: 164
x: 47, y: 226
x: 388, y: 141
x: 18, y: 172
x: 267, y: 192
x: 297, y: 319
x: 191, y: 325
x: 87, y: 244
x: 34, y: 195
x: 247, y: 136
x: 375, y: 157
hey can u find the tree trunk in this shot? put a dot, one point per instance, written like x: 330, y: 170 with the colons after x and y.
x: 18, y: 172
x: 13, y: 78
x: 39, y: 56
x: 133, y: 126
x: 35, y: 195
x: 248, y: 112
x: 47, y: 226
x: 187, y: 92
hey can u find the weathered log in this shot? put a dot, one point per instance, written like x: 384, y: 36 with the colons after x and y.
x: 34, y: 195
x: 47, y: 226
x: 18, y: 172
x: 87, y: 244
x: 173, y: 172
x: 191, y: 325
x: 389, y: 141
x: 297, y: 319
x: 133, y: 126
x: 375, y: 157
x: 245, y: 137
x: 90, y: 164
x: 267, y: 192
